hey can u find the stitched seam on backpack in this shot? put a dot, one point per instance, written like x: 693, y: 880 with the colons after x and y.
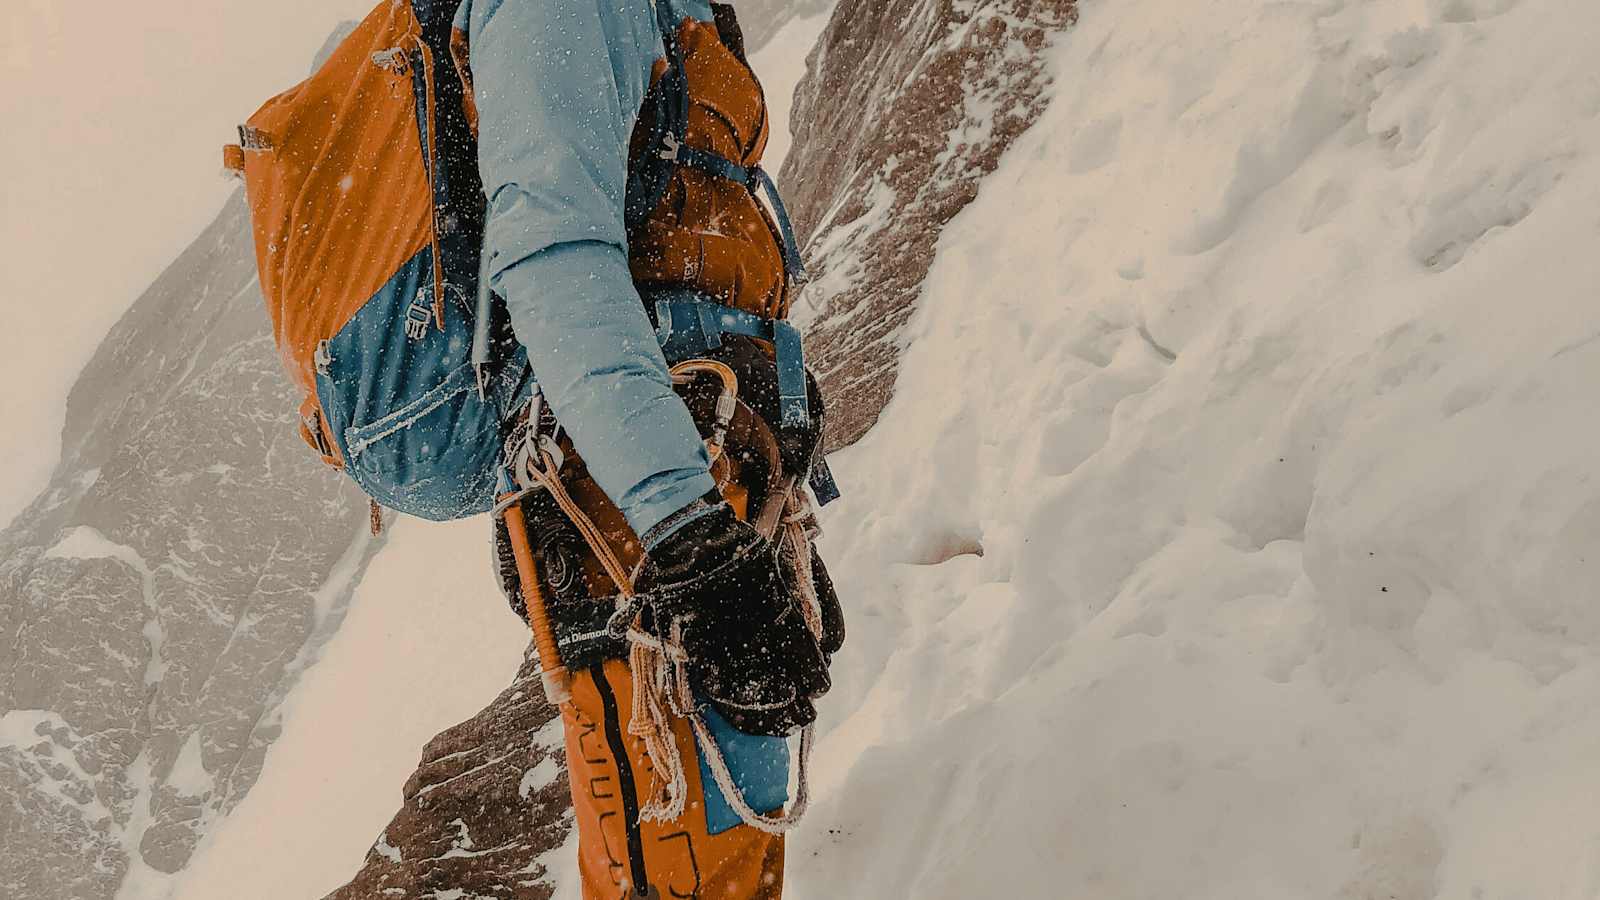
x: 358, y: 439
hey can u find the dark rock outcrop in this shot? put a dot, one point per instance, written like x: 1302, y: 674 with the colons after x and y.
x: 906, y: 106
x: 165, y: 591
x: 489, y: 799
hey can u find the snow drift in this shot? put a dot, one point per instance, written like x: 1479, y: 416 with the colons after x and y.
x: 1233, y: 529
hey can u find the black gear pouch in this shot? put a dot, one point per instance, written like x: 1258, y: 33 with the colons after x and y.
x: 828, y: 599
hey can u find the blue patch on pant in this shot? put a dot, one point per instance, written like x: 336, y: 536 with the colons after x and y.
x: 759, y: 766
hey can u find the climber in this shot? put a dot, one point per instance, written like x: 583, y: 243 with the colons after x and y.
x: 558, y: 86
x: 537, y: 269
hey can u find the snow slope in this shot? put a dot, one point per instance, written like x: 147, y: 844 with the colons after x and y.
x: 427, y: 642
x: 1233, y: 531
x: 780, y: 64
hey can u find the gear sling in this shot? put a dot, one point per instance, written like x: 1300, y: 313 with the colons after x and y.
x: 367, y: 214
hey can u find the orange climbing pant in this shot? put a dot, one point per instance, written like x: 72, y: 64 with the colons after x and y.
x: 612, y: 776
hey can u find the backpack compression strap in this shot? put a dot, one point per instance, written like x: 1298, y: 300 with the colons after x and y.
x: 753, y: 179
x: 670, y: 137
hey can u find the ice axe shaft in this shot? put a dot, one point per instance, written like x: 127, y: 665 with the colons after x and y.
x: 555, y: 677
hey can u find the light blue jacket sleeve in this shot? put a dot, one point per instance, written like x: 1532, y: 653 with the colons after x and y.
x: 558, y: 85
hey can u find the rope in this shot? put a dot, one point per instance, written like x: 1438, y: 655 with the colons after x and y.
x: 648, y: 659
x: 591, y: 533
x: 660, y: 671
x: 659, y: 666
x: 652, y: 684
x: 799, y: 527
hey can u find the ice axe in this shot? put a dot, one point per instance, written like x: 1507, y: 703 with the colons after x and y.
x: 557, y: 680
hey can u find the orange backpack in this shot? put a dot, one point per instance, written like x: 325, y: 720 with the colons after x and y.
x: 368, y: 213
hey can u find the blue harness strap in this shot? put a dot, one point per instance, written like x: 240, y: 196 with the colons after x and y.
x: 823, y: 483
x: 791, y: 247
x: 688, y: 325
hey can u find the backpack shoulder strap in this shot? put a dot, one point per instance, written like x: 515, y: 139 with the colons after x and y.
x: 728, y: 29
x: 666, y: 112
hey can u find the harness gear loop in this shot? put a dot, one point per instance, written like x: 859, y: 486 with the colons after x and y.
x: 688, y: 324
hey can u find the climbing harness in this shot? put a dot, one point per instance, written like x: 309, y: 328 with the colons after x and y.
x: 689, y: 324
x: 658, y: 663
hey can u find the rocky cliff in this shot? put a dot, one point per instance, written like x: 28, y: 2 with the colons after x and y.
x: 166, y: 589
x: 906, y: 106
x: 488, y: 800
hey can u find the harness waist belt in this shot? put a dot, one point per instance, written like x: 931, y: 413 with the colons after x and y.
x: 688, y: 324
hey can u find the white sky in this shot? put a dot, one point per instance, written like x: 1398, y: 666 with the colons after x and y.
x: 112, y: 118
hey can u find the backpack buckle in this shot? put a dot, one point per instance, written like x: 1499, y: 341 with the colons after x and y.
x: 672, y: 145
x: 253, y: 138
x: 419, y: 315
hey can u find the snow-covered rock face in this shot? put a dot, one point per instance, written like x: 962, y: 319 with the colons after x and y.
x: 165, y: 590
x: 1233, y: 531
x: 486, y: 807
x: 907, y: 105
